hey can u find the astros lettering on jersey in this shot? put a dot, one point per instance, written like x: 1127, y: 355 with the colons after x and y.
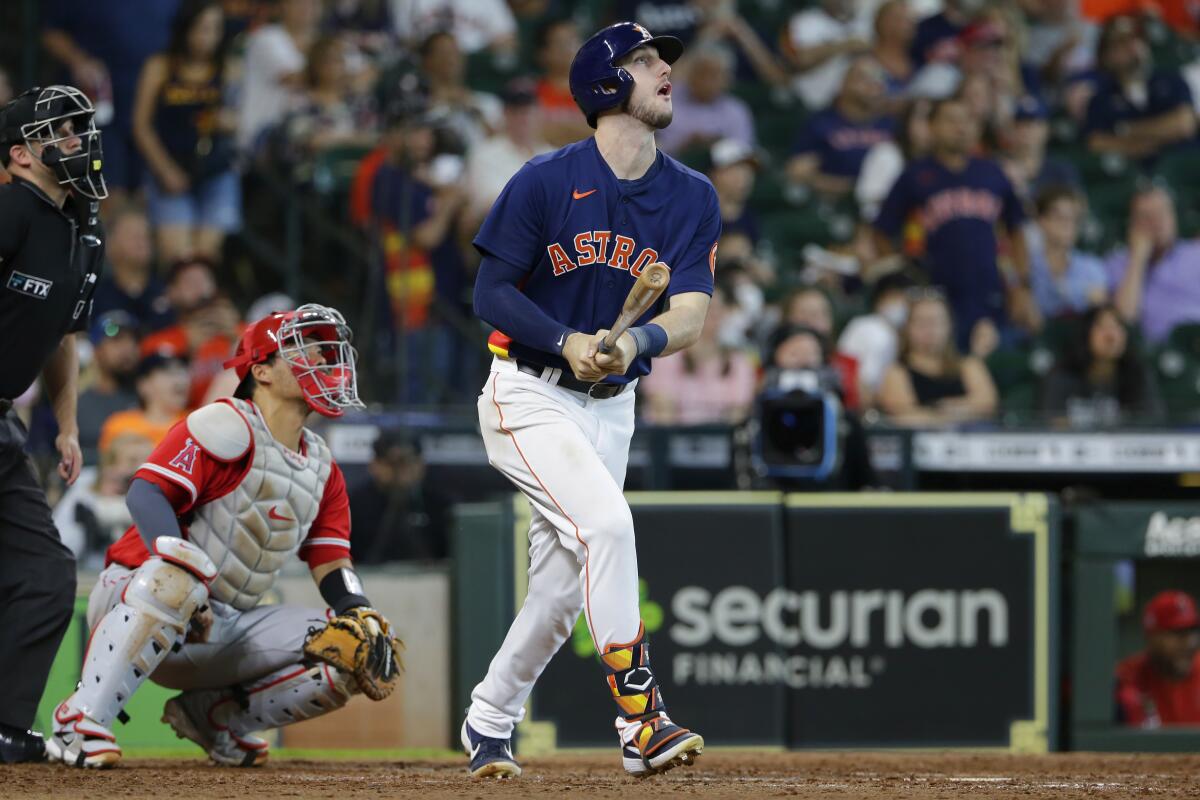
x: 585, y: 236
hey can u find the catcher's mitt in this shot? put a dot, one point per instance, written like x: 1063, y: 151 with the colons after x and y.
x: 359, y: 642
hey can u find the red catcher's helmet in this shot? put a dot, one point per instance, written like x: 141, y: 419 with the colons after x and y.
x: 329, y: 384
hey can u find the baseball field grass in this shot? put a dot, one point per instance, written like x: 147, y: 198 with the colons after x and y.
x: 435, y: 774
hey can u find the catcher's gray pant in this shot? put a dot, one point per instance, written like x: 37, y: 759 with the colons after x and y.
x: 242, y: 646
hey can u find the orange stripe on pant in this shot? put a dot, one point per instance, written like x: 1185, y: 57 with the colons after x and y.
x: 587, y: 579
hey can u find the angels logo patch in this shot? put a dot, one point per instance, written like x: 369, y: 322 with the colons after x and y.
x: 185, y: 459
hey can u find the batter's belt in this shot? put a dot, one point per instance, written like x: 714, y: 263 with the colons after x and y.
x: 566, y: 380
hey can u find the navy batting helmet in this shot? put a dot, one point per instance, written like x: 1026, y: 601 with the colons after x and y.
x: 596, y: 82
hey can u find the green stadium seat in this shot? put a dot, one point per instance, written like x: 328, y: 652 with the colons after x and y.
x: 1009, y: 368
x: 1185, y: 338
x: 1018, y: 404
x: 333, y: 170
x: 1178, y: 372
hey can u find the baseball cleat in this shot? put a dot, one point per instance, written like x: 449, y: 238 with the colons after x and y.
x: 490, y: 758
x: 78, y: 741
x: 190, y: 716
x: 19, y: 746
x: 660, y: 745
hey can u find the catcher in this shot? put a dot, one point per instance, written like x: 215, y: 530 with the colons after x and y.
x: 224, y: 501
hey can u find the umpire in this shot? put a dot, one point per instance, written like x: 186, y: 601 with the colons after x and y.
x: 50, y: 250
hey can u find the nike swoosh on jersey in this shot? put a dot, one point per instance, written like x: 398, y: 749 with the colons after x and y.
x: 273, y: 514
x: 578, y: 195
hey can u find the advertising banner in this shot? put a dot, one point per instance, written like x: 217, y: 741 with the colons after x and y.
x: 911, y: 620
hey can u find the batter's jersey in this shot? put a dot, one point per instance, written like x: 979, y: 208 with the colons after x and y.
x: 584, y: 237
x: 180, y: 467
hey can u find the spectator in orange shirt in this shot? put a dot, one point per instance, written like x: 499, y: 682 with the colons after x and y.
x: 162, y: 388
x: 556, y: 44
x: 1161, y: 685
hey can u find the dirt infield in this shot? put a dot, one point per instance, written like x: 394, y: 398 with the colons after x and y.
x: 719, y: 774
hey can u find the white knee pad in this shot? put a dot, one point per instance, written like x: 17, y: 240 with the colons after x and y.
x: 292, y: 694
x: 131, y: 640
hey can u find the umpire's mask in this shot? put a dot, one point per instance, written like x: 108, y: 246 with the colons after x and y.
x: 38, y: 116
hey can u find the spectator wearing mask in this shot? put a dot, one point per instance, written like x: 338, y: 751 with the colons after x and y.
x: 1064, y: 280
x: 704, y: 111
x: 960, y: 202
x: 931, y: 385
x: 274, y: 69
x: 1160, y: 686
x: 399, y: 514
x: 162, y: 389
x: 1023, y: 153
x: 128, y: 282
x: 91, y: 514
x: 115, y: 358
x: 1137, y: 111
x: 819, y: 44
x: 472, y: 116
x: 555, y: 45
x: 809, y: 307
x: 892, y: 48
x: 831, y: 148
x: 103, y: 45
x: 707, y: 383
x: 491, y: 163
x: 1155, y: 278
x: 1102, y: 381
x: 331, y: 113
x: 873, y: 339
x: 184, y: 133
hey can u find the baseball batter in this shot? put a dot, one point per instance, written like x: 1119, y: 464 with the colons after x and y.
x: 561, y: 248
x: 229, y: 495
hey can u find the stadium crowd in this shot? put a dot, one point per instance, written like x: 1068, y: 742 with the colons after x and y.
x: 956, y: 212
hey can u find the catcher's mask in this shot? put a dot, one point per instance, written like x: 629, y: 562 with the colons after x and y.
x: 314, y: 341
x: 37, y: 116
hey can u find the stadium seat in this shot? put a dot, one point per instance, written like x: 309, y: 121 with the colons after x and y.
x: 1178, y: 372
x: 1018, y: 404
x: 333, y: 170
x: 1185, y: 338
x: 1009, y: 368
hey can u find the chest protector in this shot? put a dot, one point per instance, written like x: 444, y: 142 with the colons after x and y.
x: 252, y: 531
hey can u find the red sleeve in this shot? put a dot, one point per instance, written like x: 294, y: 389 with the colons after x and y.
x: 329, y: 537
x: 187, y: 474
x: 1134, y: 705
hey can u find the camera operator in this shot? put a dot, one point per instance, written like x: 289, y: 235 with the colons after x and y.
x: 803, y: 436
x: 51, y: 249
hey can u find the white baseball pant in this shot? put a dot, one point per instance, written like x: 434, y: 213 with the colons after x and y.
x: 567, y: 453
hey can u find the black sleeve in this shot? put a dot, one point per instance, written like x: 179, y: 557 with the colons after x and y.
x: 14, y: 222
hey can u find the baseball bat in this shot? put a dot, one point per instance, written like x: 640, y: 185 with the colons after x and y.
x: 645, y: 293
